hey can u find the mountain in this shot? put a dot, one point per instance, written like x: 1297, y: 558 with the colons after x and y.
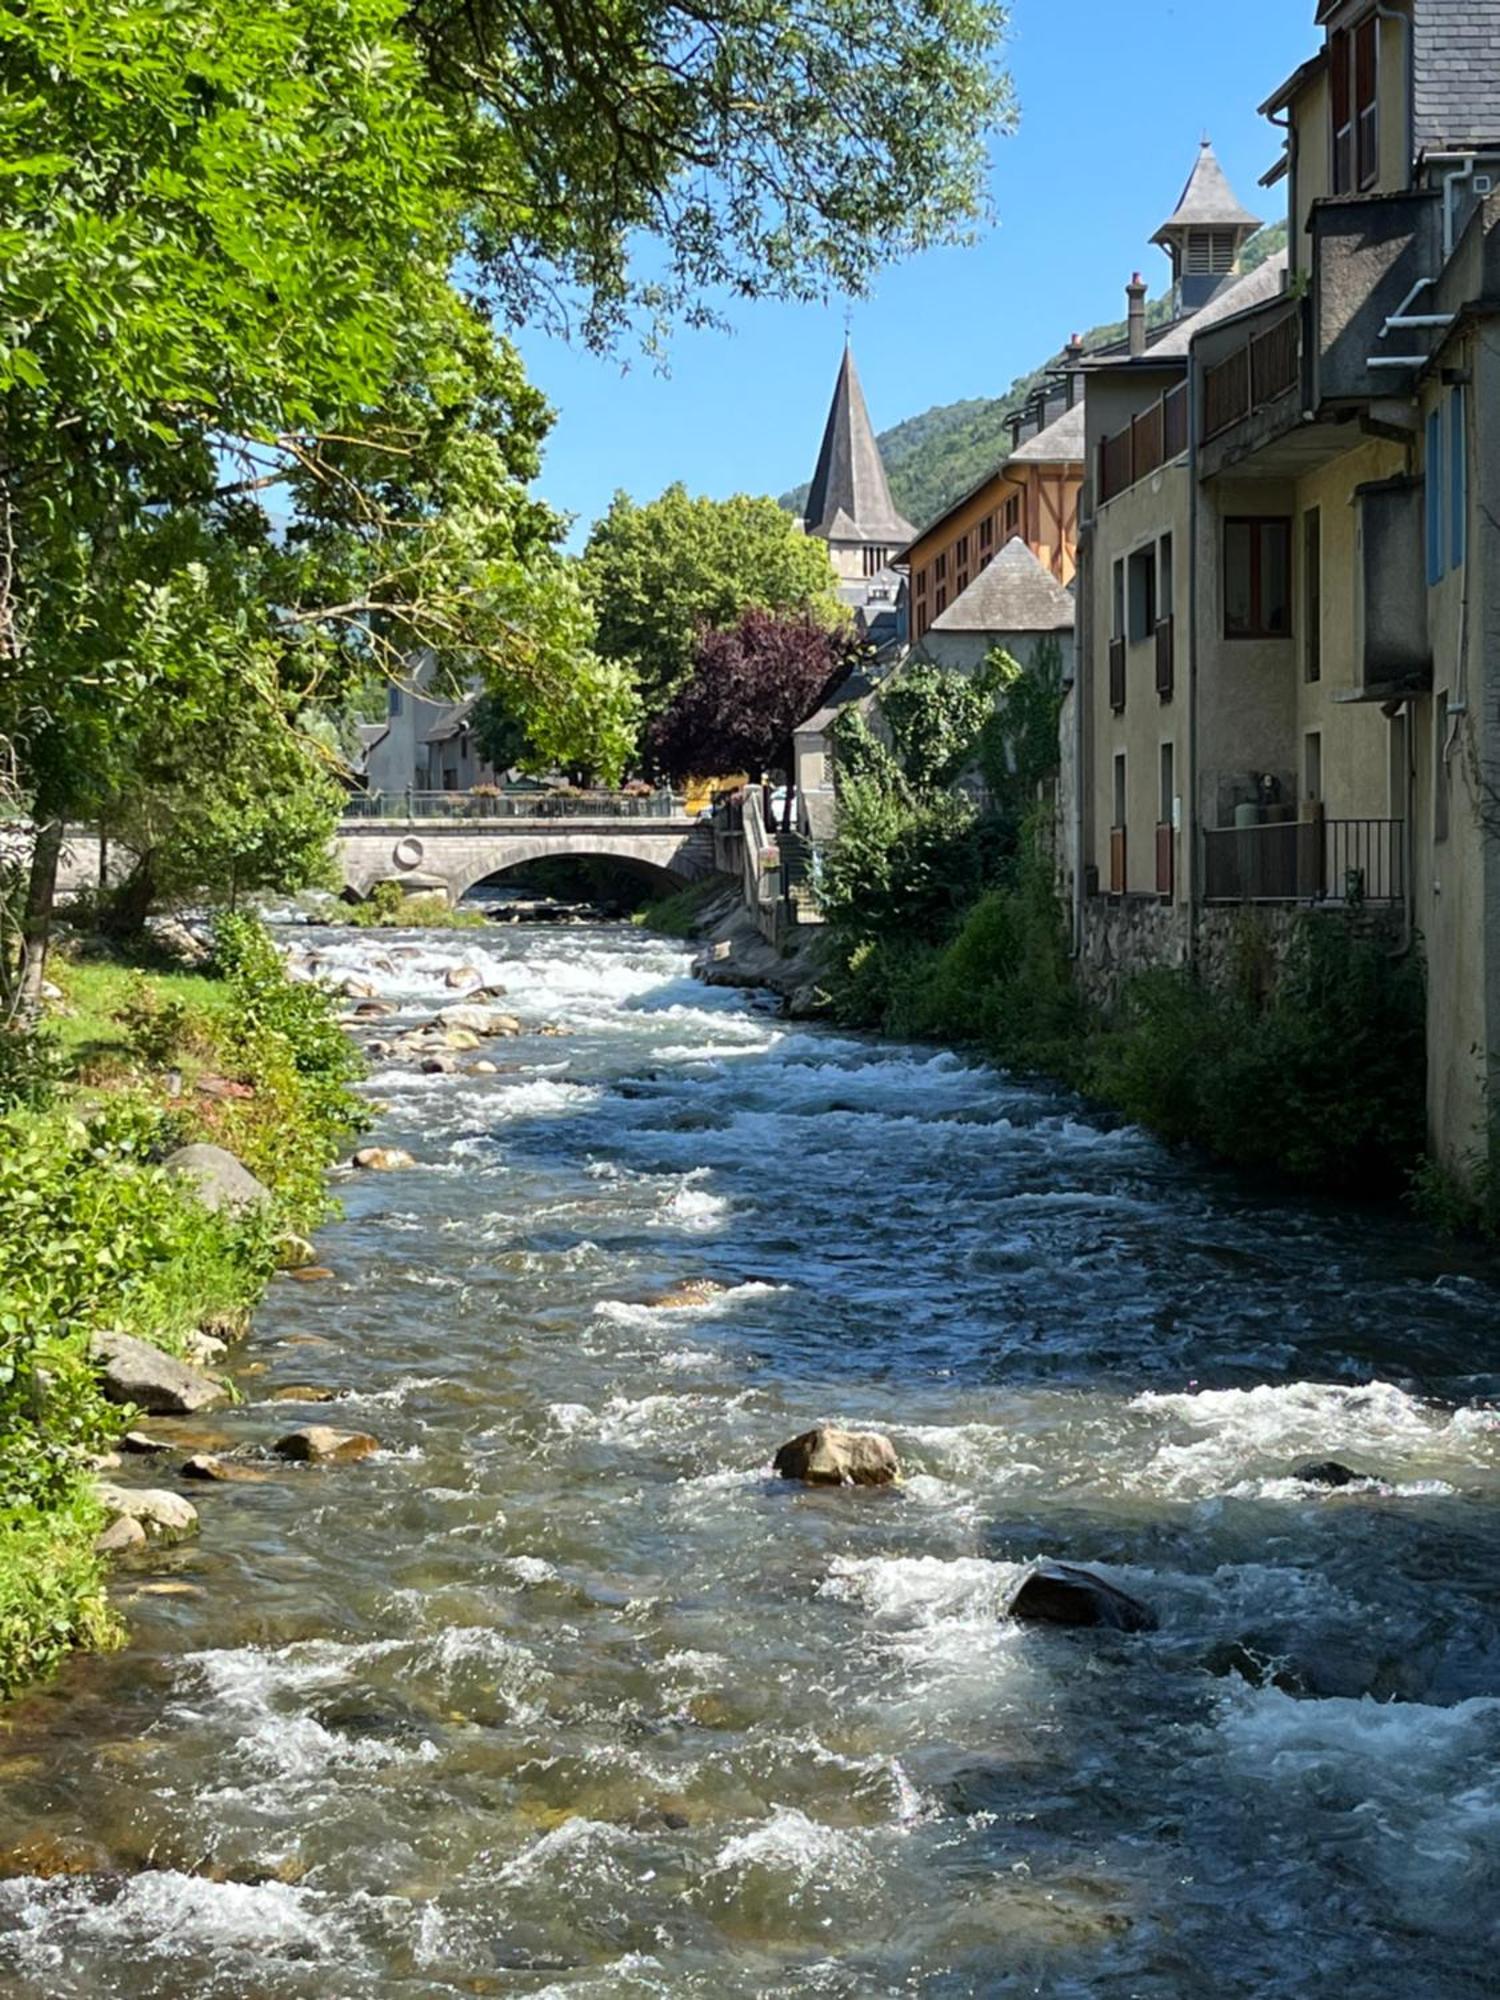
x: 931, y: 459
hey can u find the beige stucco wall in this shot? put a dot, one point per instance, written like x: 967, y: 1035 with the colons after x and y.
x: 1133, y: 520
x: 1355, y: 736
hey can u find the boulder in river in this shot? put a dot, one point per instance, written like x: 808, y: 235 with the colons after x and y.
x: 132, y: 1371
x: 310, y: 1274
x: 321, y: 1444
x: 462, y: 1039
x: 479, y: 1020
x: 828, y: 1456
x: 142, y: 1446
x: 1327, y: 1472
x: 162, y: 1516
x: 302, y: 1392
x: 218, y: 1179
x: 122, y: 1535
x: 222, y: 1471
x: 204, y: 1349
x: 460, y: 976
x: 438, y: 1065
x: 1054, y: 1593
x: 294, y: 1253
x: 383, y: 1159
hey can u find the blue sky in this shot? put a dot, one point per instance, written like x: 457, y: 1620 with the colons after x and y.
x: 1114, y: 96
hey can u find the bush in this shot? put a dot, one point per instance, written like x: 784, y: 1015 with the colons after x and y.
x: 31, y: 1068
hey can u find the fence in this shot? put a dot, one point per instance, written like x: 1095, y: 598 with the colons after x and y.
x: 513, y: 805
x: 1262, y: 368
x: 1349, y: 861
x: 1152, y: 439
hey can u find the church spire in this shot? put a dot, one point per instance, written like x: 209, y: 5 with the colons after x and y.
x: 1205, y: 232
x: 850, y: 500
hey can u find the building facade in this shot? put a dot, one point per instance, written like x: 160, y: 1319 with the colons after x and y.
x: 1290, y: 583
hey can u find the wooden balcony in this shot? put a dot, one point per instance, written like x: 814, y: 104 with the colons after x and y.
x: 1265, y: 366
x: 1117, y: 861
x: 1117, y: 675
x: 1166, y: 662
x: 1152, y: 439
x: 1166, y: 858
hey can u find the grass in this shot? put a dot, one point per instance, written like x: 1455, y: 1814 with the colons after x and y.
x: 678, y: 915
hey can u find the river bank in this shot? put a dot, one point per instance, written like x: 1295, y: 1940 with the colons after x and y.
x: 166, y: 1139
x: 560, y: 1692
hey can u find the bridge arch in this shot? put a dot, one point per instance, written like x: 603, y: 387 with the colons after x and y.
x: 455, y: 855
x: 658, y: 877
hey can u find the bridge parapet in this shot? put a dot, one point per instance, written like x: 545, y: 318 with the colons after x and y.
x: 527, y: 805
x: 454, y: 854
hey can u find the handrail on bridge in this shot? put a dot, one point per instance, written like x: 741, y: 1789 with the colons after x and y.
x: 419, y: 805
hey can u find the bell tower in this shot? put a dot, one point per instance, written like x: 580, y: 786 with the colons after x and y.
x: 1205, y: 233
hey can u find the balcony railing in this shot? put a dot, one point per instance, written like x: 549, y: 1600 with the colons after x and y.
x: 1346, y: 861
x: 1261, y: 368
x: 1117, y: 675
x: 1166, y: 660
x: 1166, y: 858
x: 1151, y: 439
x: 1117, y: 861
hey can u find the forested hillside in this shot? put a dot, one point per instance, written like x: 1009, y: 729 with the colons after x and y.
x: 932, y: 458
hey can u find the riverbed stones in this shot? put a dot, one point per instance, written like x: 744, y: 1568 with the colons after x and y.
x: 204, y: 1349
x: 138, y: 1444
x: 829, y: 1456
x: 303, y: 1392
x: 163, y: 1516
x: 462, y: 1039
x: 208, y: 1465
x: 321, y: 1444
x: 310, y: 1274
x: 217, y: 1178
x: 1053, y: 1593
x: 132, y: 1371
x: 457, y: 977
x: 479, y: 1020
x: 294, y: 1253
x: 435, y: 1065
x: 691, y: 1292
x: 383, y: 1159
x: 482, y: 1068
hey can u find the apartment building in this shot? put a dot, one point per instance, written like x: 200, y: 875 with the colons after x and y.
x: 1289, y: 574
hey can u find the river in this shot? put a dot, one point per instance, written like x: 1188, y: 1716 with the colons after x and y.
x: 562, y: 1694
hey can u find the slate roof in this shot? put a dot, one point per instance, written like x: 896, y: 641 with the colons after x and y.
x: 1060, y: 443
x: 1014, y: 593
x: 1456, y: 73
x: 1208, y: 201
x: 453, y: 720
x: 849, y: 500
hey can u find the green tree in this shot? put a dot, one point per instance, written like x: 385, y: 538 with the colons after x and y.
x: 661, y: 574
x: 782, y: 148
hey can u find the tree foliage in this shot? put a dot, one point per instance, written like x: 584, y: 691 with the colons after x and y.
x: 662, y: 573
x: 750, y: 686
x: 778, y: 148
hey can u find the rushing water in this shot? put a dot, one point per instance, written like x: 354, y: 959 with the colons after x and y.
x: 562, y: 1694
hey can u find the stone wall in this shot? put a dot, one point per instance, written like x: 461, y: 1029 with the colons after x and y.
x: 1237, y: 944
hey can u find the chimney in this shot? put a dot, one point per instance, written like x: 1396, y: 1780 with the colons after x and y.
x: 1074, y: 355
x: 1135, y: 316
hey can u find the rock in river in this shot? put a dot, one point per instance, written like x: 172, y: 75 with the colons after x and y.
x: 1327, y: 1472
x: 383, y: 1159
x: 218, y: 1178
x: 321, y: 1444
x: 162, y: 1516
x: 1057, y: 1594
x: 223, y: 1471
x: 479, y: 1020
x: 828, y: 1456
x: 131, y: 1371
x: 123, y: 1534
x: 459, y: 976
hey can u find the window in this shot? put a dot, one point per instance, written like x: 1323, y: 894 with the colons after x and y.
x: 1458, y: 478
x: 1257, y: 578
x: 1164, y: 588
x: 1142, y: 605
x: 987, y: 532
x: 1210, y: 253
x: 1166, y: 813
x: 1440, y: 787
x: 921, y: 585
x: 1119, y: 818
x: 393, y: 700
x: 874, y: 561
x: 1354, y: 55
x: 1312, y: 764
x: 1312, y: 595
x: 940, y: 601
x: 450, y: 778
x: 962, y: 582
x: 1013, y: 516
x: 940, y: 567
x: 961, y: 552
x: 1434, y: 496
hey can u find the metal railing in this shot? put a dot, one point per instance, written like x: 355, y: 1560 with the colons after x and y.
x: 413, y: 805
x: 1347, y: 861
x: 1255, y: 373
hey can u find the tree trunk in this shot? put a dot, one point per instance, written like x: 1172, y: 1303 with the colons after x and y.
x: 36, y: 919
x: 124, y: 913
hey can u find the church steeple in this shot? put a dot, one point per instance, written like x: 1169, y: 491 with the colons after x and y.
x: 850, y: 501
x: 1205, y: 233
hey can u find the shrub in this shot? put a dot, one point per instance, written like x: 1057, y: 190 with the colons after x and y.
x: 31, y: 1068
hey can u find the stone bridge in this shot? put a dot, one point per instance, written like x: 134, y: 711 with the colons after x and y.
x: 456, y: 854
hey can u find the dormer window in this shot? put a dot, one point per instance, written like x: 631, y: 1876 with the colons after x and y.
x: 1354, y: 66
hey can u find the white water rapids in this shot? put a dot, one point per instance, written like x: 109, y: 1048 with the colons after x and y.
x: 562, y: 1694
